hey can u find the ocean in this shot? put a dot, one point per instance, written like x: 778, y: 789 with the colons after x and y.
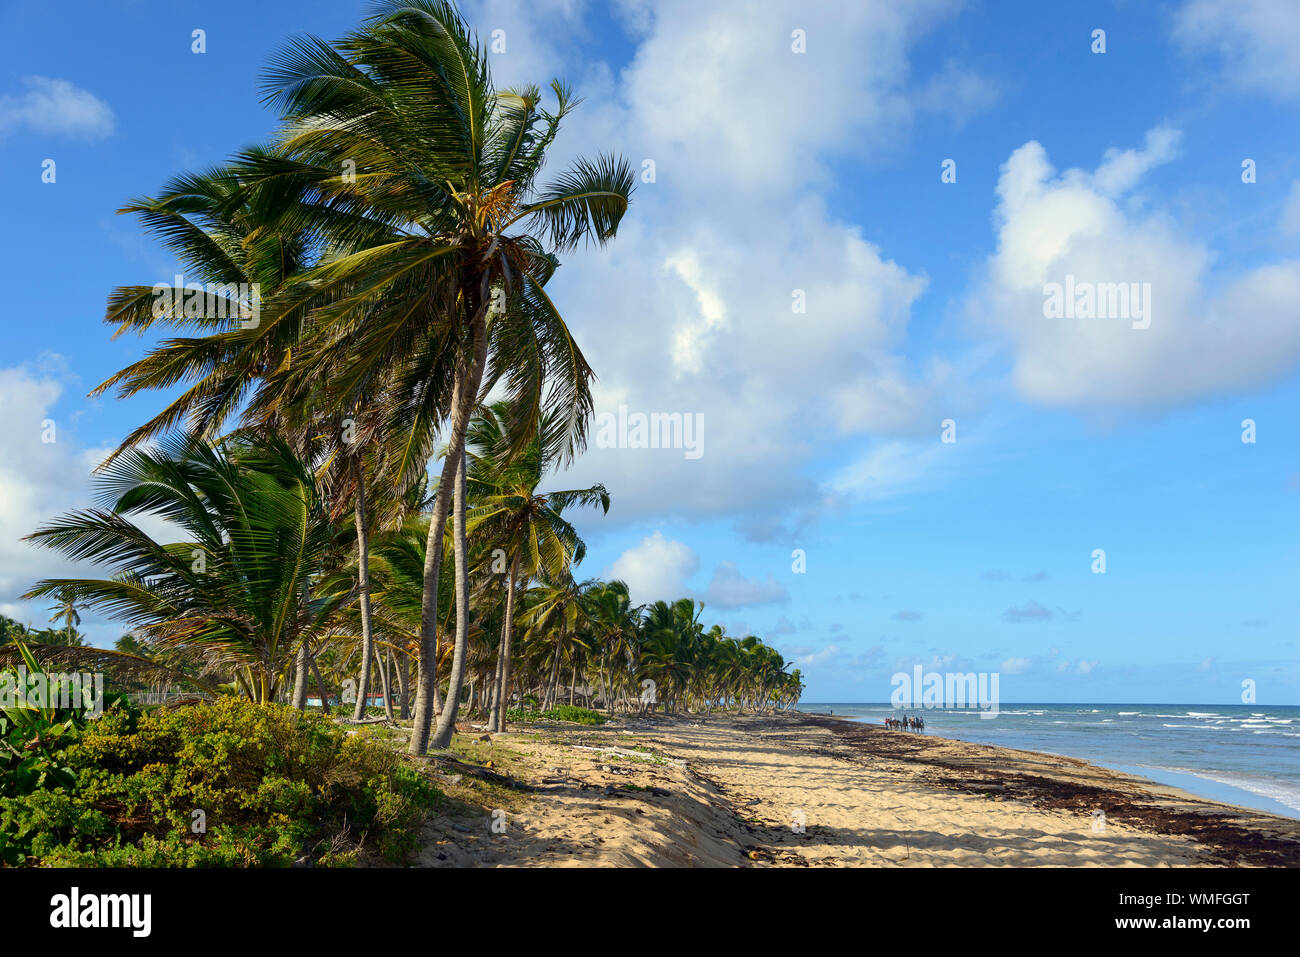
x: 1240, y: 754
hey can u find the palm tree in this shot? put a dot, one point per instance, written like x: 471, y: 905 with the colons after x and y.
x: 555, y: 621
x: 516, y: 523
x: 211, y: 222
x: 422, y: 180
x: 66, y: 611
x: 614, y: 623
x: 239, y: 586
x: 671, y: 633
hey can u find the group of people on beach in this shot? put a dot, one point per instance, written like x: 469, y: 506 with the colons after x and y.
x: 905, y: 724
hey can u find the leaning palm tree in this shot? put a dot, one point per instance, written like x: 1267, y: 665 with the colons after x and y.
x: 516, y: 524
x: 227, y: 334
x: 238, y: 583
x: 422, y: 180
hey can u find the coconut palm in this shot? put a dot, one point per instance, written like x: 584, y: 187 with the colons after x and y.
x: 555, y: 622
x: 237, y: 585
x: 522, y: 531
x: 614, y: 623
x: 65, y: 610
x: 670, y: 635
x: 233, y: 336
x: 401, y: 157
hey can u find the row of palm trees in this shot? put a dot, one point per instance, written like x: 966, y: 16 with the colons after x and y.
x: 397, y: 239
x: 261, y: 593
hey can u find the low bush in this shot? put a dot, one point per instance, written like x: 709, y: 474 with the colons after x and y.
x: 224, y: 784
x: 562, y: 712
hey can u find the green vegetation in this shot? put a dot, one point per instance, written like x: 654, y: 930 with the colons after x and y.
x: 401, y: 238
x: 563, y: 712
x: 228, y: 784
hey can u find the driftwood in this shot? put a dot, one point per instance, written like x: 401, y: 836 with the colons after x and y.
x: 483, y: 774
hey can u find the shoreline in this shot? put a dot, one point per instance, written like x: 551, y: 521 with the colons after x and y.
x: 1262, y: 791
x: 1055, y: 781
x: 793, y: 789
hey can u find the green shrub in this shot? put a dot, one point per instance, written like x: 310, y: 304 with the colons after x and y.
x: 563, y: 712
x: 274, y: 785
x: 32, y: 738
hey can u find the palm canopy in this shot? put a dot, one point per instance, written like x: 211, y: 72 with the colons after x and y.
x: 420, y: 179
x: 211, y: 223
x: 508, y: 512
x: 237, y: 584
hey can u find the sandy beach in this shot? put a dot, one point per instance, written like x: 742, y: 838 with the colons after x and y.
x: 812, y: 791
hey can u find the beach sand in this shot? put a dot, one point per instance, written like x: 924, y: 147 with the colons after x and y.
x: 812, y: 791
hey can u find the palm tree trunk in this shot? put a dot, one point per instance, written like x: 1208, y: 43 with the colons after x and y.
x: 404, y: 684
x: 324, y: 698
x: 495, y: 701
x: 300, y: 679
x: 464, y: 396
x: 501, y: 704
x: 447, y: 720
x: 383, y: 684
x: 363, y: 588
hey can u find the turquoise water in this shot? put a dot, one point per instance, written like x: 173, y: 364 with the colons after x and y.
x: 1242, y: 754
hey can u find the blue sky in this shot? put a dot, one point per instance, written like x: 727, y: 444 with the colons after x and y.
x: 778, y: 171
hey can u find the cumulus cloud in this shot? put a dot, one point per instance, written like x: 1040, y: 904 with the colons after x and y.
x: 1208, y: 332
x: 55, y: 107
x: 659, y: 569
x: 811, y: 657
x: 656, y: 569
x: 722, y: 314
x: 43, y: 471
x: 1016, y: 666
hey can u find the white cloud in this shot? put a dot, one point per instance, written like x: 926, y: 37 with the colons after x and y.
x: 1209, y: 332
x: 659, y: 568
x: 730, y: 589
x: 38, y: 479
x: 959, y: 93
x: 1016, y: 666
x: 1258, y: 41
x: 1030, y: 611
x: 707, y: 264
x: 809, y: 658
x: 656, y: 569
x: 56, y: 107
